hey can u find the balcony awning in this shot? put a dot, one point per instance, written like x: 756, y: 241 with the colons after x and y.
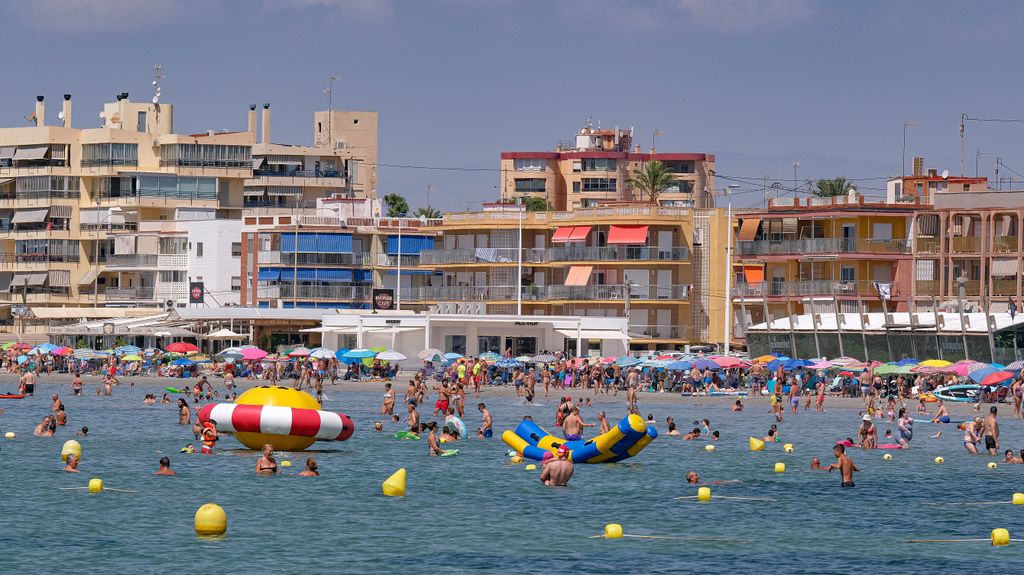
x: 562, y: 235
x: 257, y: 162
x: 753, y: 274
x: 269, y: 275
x: 593, y: 334
x: 571, y: 234
x: 32, y: 152
x: 251, y: 192
x: 1004, y: 267
x: 332, y: 275
x: 31, y: 279
x: 284, y: 160
x: 60, y: 211
x: 579, y: 234
x: 60, y: 278
x: 627, y: 235
x: 7, y: 152
x: 30, y: 216
x: 578, y: 275
x: 748, y: 229
x: 5, y: 181
x: 88, y: 278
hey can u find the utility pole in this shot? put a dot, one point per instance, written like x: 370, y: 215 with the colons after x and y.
x: 330, y: 107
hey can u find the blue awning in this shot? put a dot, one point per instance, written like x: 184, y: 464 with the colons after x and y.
x: 287, y: 274
x: 269, y: 275
x: 334, y: 275
x: 307, y: 243
x: 411, y: 245
x: 306, y: 274
x: 363, y: 276
x: 412, y: 273
x: 335, y: 243
x: 288, y: 243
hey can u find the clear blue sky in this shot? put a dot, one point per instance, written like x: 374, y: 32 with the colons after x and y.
x: 759, y: 83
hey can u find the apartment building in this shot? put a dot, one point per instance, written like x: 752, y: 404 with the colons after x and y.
x: 128, y: 213
x: 596, y: 168
x: 631, y: 261
x: 333, y: 256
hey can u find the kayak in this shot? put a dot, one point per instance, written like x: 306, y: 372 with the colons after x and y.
x: 13, y: 396
x: 961, y: 393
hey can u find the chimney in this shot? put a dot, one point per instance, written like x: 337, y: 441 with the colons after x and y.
x: 918, y: 166
x: 252, y: 119
x: 67, y: 110
x: 40, y: 111
x: 266, y: 124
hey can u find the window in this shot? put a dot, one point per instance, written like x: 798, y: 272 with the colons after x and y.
x: 236, y: 249
x: 236, y: 283
x: 490, y: 343
x: 588, y: 203
x: 142, y: 122
x: 208, y: 155
x: 599, y: 165
x: 456, y: 343
x: 679, y: 167
x: 599, y: 184
x: 171, y: 186
x: 199, y: 249
x: 528, y: 165
x: 526, y: 185
x: 577, y: 166
x: 110, y: 154
x: 848, y: 274
x: 680, y: 187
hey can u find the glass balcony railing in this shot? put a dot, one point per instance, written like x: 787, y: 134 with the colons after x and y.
x: 822, y: 246
x: 808, y: 287
x: 606, y: 292
x: 554, y: 254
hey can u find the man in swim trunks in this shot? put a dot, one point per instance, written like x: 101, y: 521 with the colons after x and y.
x: 557, y: 470
x: 441, y: 405
x: 165, y: 467
x: 72, y: 464
x: 942, y: 416
x: 485, y: 422
x: 844, y: 464
x: 990, y: 431
x: 572, y: 425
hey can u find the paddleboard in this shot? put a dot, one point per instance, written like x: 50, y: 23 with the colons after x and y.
x: 959, y: 393
x: 172, y: 389
x: 406, y: 435
x: 12, y: 396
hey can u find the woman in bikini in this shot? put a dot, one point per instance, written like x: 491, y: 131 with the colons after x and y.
x: 266, y: 464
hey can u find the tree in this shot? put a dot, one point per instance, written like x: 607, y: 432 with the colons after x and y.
x: 831, y: 188
x: 535, y: 204
x: 427, y: 212
x: 652, y: 179
x: 396, y: 206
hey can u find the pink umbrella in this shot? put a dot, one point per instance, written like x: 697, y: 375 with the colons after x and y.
x: 61, y: 351
x: 727, y: 361
x: 253, y: 353
x: 821, y: 365
x: 964, y: 368
x: 844, y: 361
x: 299, y: 352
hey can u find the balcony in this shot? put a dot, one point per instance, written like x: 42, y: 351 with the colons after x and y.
x: 1004, y: 287
x: 618, y: 253
x: 1004, y: 244
x: 37, y: 261
x: 288, y: 291
x: 320, y: 259
x: 808, y: 288
x: 391, y: 260
x: 965, y: 244
x: 927, y: 287
x: 481, y: 256
x: 147, y: 261
x: 298, y: 178
x: 546, y: 293
x: 929, y: 245
x: 658, y: 331
x: 822, y: 246
x: 173, y: 291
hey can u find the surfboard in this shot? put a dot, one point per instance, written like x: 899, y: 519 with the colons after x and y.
x: 959, y: 393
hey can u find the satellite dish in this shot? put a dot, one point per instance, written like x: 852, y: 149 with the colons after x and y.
x: 154, y: 82
x: 60, y: 115
x: 156, y: 99
x: 103, y: 115
x: 945, y: 174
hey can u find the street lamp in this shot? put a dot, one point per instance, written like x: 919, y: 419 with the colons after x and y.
x: 728, y: 267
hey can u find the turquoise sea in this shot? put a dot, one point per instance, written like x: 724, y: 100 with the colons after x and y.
x: 478, y: 513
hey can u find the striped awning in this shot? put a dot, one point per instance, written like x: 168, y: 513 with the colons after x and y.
x: 1004, y: 267
x: 37, y: 216
x: 578, y: 275
x: 748, y: 229
x: 36, y: 152
x: 60, y: 211
x: 60, y: 278
x: 30, y: 279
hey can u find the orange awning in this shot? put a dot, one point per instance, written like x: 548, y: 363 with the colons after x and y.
x: 753, y: 274
x: 562, y: 234
x: 627, y: 235
x: 578, y: 275
x: 748, y: 229
x: 579, y: 234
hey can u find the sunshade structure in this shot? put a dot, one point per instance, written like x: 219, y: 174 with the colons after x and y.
x: 321, y: 353
x: 1015, y: 366
x: 183, y: 361
x: 964, y: 368
x: 430, y: 353
x: 907, y: 361
x: 892, y: 369
x: 181, y: 347
x: 253, y: 354
x: 765, y: 358
x: 704, y: 363
x: 821, y: 364
x: 452, y: 356
x: 544, y: 358
x: 522, y: 358
x: 225, y: 333
x: 131, y: 357
x: 489, y: 356
x: 359, y: 353
x: 391, y: 355
x: 726, y: 361
x: 299, y: 352
x: 935, y: 363
x: 627, y: 361
x: 989, y: 375
x: 844, y: 361
x: 681, y: 365
x: 997, y: 378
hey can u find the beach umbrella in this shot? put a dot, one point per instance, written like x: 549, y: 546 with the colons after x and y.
x: 935, y: 363
x: 888, y: 369
x: 131, y: 357
x: 844, y: 361
x: 300, y: 351
x: 821, y: 364
x: 508, y: 363
x: 679, y: 365
x: 965, y: 367
x: 430, y: 353
x: 322, y: 353
x: 979, y: 374
x: 22, y: 358
x: 1015, y: 366
x: 21, y: 345
x: 253, y: 354
x: 451, y: 356
x: 224, y: 333
x: 181, y: 347
x: 360, y: 353
x: 38, y: 350
x: 996, y: 377
x: 765, y: 358
x: 726, y: 361
x: 47, y: 346
x: 183, y: 361
x: 391, y: 355
x: 794, y: 364
x: 127, y: 349
x: 655, y: 363
x: 489, y: 356
x: 62, y: 351
x: 6, y: 346
x: 907, y: 361
x: 704, y: 363
x: 543, y: 358
x: 628, y: 361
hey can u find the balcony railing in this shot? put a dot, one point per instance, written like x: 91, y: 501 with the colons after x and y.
x: 161, y: 261
x: 659, y: 331
x: 314, y: 292
x: 318, y: 259
x: 1004, y: 244
x: 821, y: 246
x: 175, y: 291
x: 545, y: 293
x: 391, y: 260
x: 929, y: 245
x: 12, y: 260
x: 1004, y: 287
x: 808, y: 287
x: 927, y: 287
x: 300, y: 173
x: 617, y: 253
x: 481, y: 255
x: 965, y: 244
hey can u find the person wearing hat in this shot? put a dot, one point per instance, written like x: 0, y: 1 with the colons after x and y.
x: 556, y: 468
x: 867, y: 435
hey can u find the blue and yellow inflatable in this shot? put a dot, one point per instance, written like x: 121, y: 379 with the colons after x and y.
x: 624, y: 440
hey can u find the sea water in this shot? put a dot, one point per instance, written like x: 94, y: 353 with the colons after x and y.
x: 478, y: 512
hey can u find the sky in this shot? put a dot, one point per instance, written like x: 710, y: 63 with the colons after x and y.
x: 758, y: 83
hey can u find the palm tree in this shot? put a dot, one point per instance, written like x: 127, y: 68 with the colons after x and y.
x: 831, y: 188
x: 428, y: 212
x: 652, y: 179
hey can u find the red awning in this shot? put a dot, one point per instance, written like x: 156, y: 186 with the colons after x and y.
x: 753, y: 274
x: 578, y: 275
x: 562, y: 234
x: 579, y: 234
x: 627, y: 235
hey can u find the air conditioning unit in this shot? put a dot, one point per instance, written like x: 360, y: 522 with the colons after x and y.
x: 170, y: 304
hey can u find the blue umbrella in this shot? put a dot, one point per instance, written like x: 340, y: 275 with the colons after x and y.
x: 22, y: 359
x: 980, y: 374
x: 359, y: 353
x: 127, y: 350
x: 703, y: 364
x: 341, y: 352
x: 47, y: 346
x: 183, y: 361
x: 508, y: 363
x: 679, y: 365
x: 452, y: 356
x: 907, y: 361
x: 627, y: 361
x: 795, y: 364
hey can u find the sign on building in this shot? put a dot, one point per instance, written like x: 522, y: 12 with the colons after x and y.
x: 196, y: 292
x: 383, y: 299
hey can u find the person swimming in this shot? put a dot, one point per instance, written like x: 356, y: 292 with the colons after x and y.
x: 266, y: 464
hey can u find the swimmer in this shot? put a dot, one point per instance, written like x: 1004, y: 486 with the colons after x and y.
x: 387, y: 405
x: 1009, y: 457
x: 165, y: 467
x: 433, y: 445
x: 165, y: 399
x: 46, y: 427
x: 56, y: 403
x: 604, y: 425
x: 210, y: 436
x: 905, y: 425
x: 72, y: 464
x: 738, y: 406
x: 184, y: 413
x: 771, y: 437
x: 650, y: 419
x: 84, y: 432
x: 694, y: 434
x: 844, y: 464
x: 188, y: 449
x: 573, y: 424
x: 311, y: 469
x: 941, y: 416
x: 395, y: 419
x: 378, y: 426
x: 266, y: 464
x: 867, y: 434
x: 692, y: 478
x: 485, y: 422
x: 557, y: 470
x: 62, y: 416
x: 816, y: 464
x: 150, y: 399
x: 672, y: 429
x: 990, y: 431
x: 714, y: 435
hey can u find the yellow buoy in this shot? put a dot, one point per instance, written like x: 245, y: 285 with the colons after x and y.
x: 1018, y: 499
x: 1000, y: 537
x: 704, y: 494
x: 788, y: 448
x: 992, y: 465
x: 530, y: 467
x: 95, y: 485
x: 709, y: 447
x: 756, y: 444
x: 394, y: 486
x: 211, y: 520
x: 10, y: 435
x: 887, y: 456
x: 516, y: 459
x: 286, y: 463
x: 71, y: 447
x: 939, y: 460
x: 613, y: 531
x: 780, y: 467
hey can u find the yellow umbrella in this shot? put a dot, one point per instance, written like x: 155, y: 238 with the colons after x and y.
x: 765, y: 359
x: 935, y: 363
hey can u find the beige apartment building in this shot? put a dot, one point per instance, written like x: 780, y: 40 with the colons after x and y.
x: 92, y: 217
x: 596, y: 168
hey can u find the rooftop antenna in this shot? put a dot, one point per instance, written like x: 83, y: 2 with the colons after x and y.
x: 158, y: 74
x: 330, y: 106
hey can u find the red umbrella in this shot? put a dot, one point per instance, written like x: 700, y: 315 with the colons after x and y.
x: 997, y: 377
x: 181, y: 347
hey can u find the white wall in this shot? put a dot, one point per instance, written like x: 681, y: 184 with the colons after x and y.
x: 217, y: 266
